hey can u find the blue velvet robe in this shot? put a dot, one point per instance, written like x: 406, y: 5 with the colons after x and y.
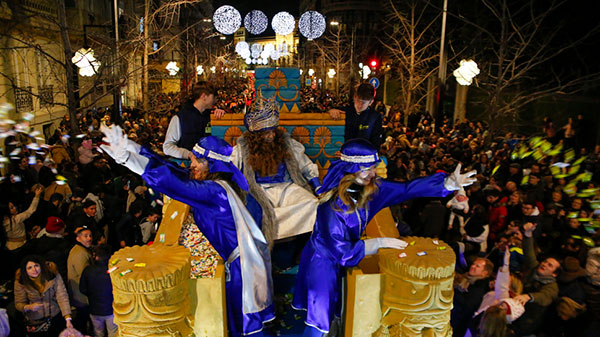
x: 214, y: 218
x: 335, y: 244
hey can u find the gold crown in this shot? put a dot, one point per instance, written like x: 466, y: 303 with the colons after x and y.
x: 264, y: 114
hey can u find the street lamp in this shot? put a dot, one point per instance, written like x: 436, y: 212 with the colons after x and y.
x: 464, y: 76
x: 86, y: 62
x: 172, y: 68
x: 466, y: 72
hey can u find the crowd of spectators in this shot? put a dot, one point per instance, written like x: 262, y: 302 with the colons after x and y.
x: 61, y: 200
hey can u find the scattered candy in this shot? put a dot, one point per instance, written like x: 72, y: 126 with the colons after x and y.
x: 402, y: 255
x: 161, y: 237
x: 129, y: 259
x: 421, y: 253
x: 125, y: 272
x: 115, y: 261
x: 442, y: 248
x: 140, y: 265
x: 436, y: 242
x: 412, y: 243
x: 174, y: 215
x: 204, y: 257
x: 111, y: 269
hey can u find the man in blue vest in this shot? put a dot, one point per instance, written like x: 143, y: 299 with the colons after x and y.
x: 362, y: 121
x: 190, y: 123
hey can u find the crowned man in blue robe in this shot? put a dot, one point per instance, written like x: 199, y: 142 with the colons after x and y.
x: 212, y: 187
x: 350, y: 197
x: 281, y: 177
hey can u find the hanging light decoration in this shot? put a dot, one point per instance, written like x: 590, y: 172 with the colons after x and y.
x: 213, y: 69
x: 245, y: 53
x: 227, y: 20
x: 466, y: 72
x: 172, y: 68
x: 366, y: 71
x: 240, y: 46
x: 200, y: 69
x: 283, y: 23
x: 248, y: 60
x: 311, y: 72
x: 265, y: 61
x: 269, y: 47
x: 331, y: 73
x: 265, y: 54
x: 311, y: 24
x: 256, y: 22
x: 86, y: 62
x: 274, y: 54
x: 284, y: 49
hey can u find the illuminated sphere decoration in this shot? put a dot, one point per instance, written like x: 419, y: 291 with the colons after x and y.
x: 256, y: 47
x: 256, y: 22
x: 248, y: 60
x: 255, y: 54
x: 241, y: 46
x: 227, y: 20
x: 283, y: 23
x: 245, y: 53
x: 311, y: 24
x: 274, y: 54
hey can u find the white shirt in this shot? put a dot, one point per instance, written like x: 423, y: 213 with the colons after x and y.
x: 170, y: 147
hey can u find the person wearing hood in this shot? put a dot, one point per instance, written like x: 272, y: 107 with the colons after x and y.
x: 212, y: 187
x: 539, y: 286
x: 350, y: 196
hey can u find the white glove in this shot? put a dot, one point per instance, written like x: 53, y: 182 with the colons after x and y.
x: 456, y: 180
x: 373, y: 245
x: 117, y: 143
x: 123, y: 150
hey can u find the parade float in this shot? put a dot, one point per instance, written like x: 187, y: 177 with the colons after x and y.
x: 394, y: 293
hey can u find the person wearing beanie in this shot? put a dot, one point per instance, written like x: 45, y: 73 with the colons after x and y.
x: 55, y: 227
x: 52, y: 245
x: 281, y: 178
x: 212, y: 187
x: 350, y: 196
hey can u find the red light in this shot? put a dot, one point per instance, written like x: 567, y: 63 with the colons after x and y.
x: 374, y: 63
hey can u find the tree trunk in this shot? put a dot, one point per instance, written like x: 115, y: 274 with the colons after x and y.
x: 71, y: 99
x: 145, y: 73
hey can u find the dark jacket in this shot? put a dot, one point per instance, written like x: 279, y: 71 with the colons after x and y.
x: 128, y: 230
x: 96, y: 285
x: 465, y: 305
x: 542, y: 293
x: 368, y: 125
x: 192, y: 125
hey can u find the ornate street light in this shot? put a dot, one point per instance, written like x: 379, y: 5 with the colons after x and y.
x: 172, y: 68
x: 86, y: 62
x: 466, y: 72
